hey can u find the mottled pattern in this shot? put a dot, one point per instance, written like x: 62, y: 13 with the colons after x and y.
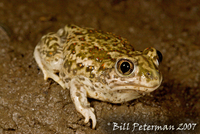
x: 96, y: 64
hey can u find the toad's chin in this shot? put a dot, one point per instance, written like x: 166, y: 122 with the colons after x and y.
x: 121, y: 94
x: 124, y: 95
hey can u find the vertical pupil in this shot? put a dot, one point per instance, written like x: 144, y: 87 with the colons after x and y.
x: 125, y: 66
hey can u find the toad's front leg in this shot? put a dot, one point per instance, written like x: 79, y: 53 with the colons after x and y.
x: 78, y: 94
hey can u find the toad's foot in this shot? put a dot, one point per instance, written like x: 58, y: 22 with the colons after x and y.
x: 56, y: 78
x: 88, y: 113
x: 79, y: 97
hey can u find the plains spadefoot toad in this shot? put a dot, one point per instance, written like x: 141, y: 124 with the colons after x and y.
x: 96, y: 64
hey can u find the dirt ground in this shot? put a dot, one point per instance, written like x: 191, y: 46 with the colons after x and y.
x: 28, y: 104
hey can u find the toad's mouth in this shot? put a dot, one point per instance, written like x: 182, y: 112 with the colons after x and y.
x: 142, y: 86
x: 135, y: 87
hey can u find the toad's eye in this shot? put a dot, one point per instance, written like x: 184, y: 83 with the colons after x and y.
x: 160, y: 57
x: 125, y: 66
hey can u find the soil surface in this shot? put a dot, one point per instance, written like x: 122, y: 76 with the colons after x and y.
x: 28, y: 104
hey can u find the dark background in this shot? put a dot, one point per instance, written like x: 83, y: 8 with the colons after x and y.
x: 28, y: 104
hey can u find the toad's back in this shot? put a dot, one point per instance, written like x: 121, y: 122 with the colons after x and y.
x: 91, y: 50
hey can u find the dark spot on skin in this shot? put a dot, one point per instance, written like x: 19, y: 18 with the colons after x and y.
x: 87, y: 105
x: 82, y: 79
x: 67, y: 64
x: 98, y: 79
x: 111, y: 94
x: 82, y: 39
x: 84, y: 44
x: 96, y: 85
x: 67, y: 79
x: 90, y: 31
x: 72, y: 26
x: 89, y: 68
x: 113, y: 81
x: 115, y: 76
x: 107, y: 38
x: 102, y: 67
x: 108, y: 76
x: 103, y: 81
x: 74, y: 71
x: 73, y: 51
x: 82, y: 47
x: 68, y: 39
x: 119, y: 91
x: 64, y: 58
x: 119, y: 37
x: 148, y: 73
x: 50, y: 53
x: 91, y: 57
x: 78, y: 94
x: 62, y: 74
x: 77, y: 86
x: 92, y: 88
x: 55, y: 45
x: 80, y: 65
x: 115, y: 44
x: 50, y: 39
x: 92, y: 75
x: 56, y: 72
x: 78, y: 33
